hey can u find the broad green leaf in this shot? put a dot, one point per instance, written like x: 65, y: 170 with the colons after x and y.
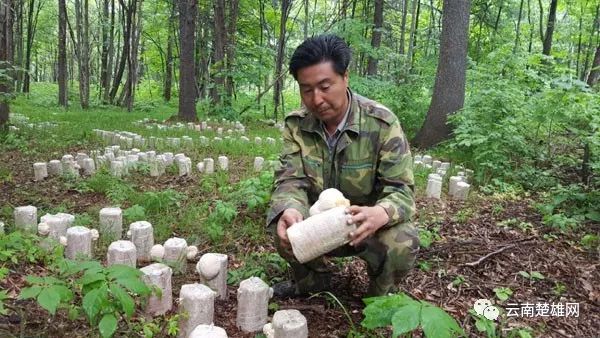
x: 30, y: 292
x: 63, y: 292
x: 537, y: 275
x: 90, y: 277
x: 437, y: 323
x: 379, y: 311
x: 49, y: 300
x: 406, y: 319
x: 108, y: 325
x: 92, y: 302
x: 127, y: 303
x: 524, y: 274
x: 34, y: 280
x: 119, y: 271
x: 134, y: 285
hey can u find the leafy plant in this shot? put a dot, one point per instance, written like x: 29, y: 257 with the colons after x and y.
x: 427, y: 237
x: 503, y: 293
x: 483, y: 324
x: 407, y: 315
x: 50, y: 292
x: 134, y: 213
x: 106, y: 293
x: 532, y: 275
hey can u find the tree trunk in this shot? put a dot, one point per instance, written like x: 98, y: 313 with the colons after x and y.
x: 32, y: 18
x: 126, y: 19
x: 403, y: 25
x: 219, y: 43
x: 187, y: 84
x: 595, y: 72
x: 375, y: 37
x: 518, y: 33
x: 168, y: 84
x: 449, y: 88
x: 6, y: 57
x: 111, y: 55
x: 550, y: 28
x: 132, y: 58
x: 17, y: 38
x: 203, y: 50
x: 305, y: 20
x: 590, y: 44
x: 529, y: 47
x: 413, y: 31
x: 105, y: 21
x: 63, y: 95
x: 230, y: 47
x: 82, y: 48
x: 286, y: 6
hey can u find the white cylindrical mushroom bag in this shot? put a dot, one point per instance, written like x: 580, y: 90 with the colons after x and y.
x: 320, y: 234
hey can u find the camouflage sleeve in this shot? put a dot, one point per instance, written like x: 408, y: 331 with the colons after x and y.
x: 395, y: 173
x: 291, y: 183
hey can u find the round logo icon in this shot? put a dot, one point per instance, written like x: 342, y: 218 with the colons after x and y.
x: 484, y: 307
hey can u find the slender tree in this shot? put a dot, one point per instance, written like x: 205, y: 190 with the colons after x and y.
x: 63, y: 98
x: 518, y: 33
x: 231, y: 45
x: 32, y: 20
x: 82, y: 51
x: 449, y: 88
x: 547, y: 40
x: 6, y: 58
x: 286, y: 7
x: 375, y: 36
x: 187, y: 83
x: 169, y: 57
x: 219, y: 45
x: 595, y: 71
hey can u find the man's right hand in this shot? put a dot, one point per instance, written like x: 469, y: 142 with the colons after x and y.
x: 288, y: 217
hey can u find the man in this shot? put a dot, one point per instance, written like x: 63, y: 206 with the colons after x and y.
x: 345, y: 141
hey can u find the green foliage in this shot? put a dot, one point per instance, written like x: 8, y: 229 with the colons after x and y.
x: 134, y: 213
x: 103, y: 293
x: 526, y: 123
x: 267, y: 266
x: 50, y: 292
x: 427, y: 237
x: 221, y: 214
x: 483, y: 324
x: 17, y: 247
x: 590, y: 241
x: 532, y: 275
x: 567, y: 207
x: 407, y: 315
x: 503, y: 293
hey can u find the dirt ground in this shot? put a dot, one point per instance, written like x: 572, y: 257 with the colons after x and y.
x: 471, y: 246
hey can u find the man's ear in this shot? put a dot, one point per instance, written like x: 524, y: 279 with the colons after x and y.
x: 346, y: 76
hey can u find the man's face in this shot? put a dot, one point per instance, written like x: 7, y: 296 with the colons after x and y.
x: 323, y: 91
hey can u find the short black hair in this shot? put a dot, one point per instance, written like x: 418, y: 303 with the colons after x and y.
x: 318, y: 49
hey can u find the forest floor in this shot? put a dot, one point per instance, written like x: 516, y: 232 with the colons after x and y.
x: 477, y: 247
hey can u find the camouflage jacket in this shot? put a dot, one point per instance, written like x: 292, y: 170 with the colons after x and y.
x: 371, y: 162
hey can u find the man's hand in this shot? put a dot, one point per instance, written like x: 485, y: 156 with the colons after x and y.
x: 288, y: 217
x: 368, y: 219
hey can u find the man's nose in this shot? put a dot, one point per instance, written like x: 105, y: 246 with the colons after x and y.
x: 318, y: 98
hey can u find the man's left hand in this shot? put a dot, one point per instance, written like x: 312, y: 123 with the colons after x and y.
x: 368, y: 219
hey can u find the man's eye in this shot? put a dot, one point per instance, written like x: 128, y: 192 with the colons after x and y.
x: 325, y: 88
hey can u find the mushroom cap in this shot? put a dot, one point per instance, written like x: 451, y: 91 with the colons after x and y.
x: 63, y: 240
x: 43, y: 229
x: 208, y: 266
x: 157, y: 252
x: 191, y: 252
x: 95, y: 234
x: 330, y: 198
